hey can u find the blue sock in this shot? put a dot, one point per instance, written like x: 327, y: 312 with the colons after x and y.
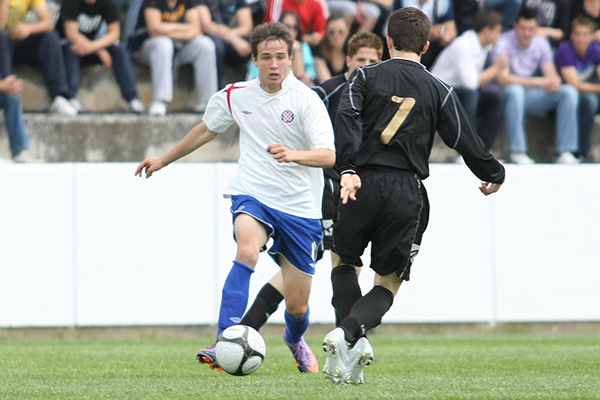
x: 295, y: 327
x: 234, y: 296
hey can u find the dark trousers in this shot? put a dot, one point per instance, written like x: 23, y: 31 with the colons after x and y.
x: 42, y: 50
x: 485, y: 108
x: 122, y: 68
x: 226, y: 55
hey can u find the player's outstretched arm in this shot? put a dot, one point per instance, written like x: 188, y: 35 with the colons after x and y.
x: 488, y: 188
x: 198, y: 136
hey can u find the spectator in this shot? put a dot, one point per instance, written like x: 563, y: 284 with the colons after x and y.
x: 34, y: 43
x: 363, y: 13
x: 81, y: 21
x: 330, y: 55
x: 313, y: 16
x: 13, y: 118
x: 554, y: 17
x: 303, y: 65
x: 443, y: 27
x: 578, y: 60
x: 229, y: 24
x: 484, y: 107
x: 529, y: 94
x: 589, y: 8
x: 169, y: 36
x: 465, y: 10
x: 133, y: 12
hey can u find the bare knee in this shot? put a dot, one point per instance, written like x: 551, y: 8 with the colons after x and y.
x: 248, y: 255
x: 296, y: 309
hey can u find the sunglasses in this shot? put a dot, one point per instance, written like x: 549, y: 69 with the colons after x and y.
x: 336, y: 32
x: 296, y: 27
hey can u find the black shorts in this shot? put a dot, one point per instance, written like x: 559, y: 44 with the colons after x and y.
x: 391, y: 211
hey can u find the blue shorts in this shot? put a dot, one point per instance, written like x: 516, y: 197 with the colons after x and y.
x: 295, y: 238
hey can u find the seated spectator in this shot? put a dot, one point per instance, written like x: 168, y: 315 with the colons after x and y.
x: 169, y: 36
x: 35, y: 43
x: 313, y: 16
x: 554, y: 17
x: 330, y: 55
x: 529, y: 94
x: 303, y: 65
x: 13, y: 118
x: 363, y: 13
x: 578, y: 61
x: 81, y: 21
x: 589, y: 8
x: 467, y: 75
x: 443, y: 27
x: 229, y: 24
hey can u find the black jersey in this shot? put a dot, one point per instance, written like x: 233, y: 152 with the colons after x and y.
x: 388, y: 115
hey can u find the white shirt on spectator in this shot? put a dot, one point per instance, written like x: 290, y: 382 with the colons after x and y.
x: 461, y: 62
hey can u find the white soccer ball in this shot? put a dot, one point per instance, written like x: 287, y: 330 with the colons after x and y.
x: 240, y: 350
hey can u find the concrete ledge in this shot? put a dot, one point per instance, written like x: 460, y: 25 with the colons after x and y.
x: 116, y: 137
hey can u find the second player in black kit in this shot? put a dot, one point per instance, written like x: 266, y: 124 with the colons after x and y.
x: 386, y: 121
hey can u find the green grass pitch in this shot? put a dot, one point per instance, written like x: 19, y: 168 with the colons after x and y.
x: 407, y: 366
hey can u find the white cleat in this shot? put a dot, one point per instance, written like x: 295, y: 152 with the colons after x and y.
x: 334, y: 344
x: 360, y: 356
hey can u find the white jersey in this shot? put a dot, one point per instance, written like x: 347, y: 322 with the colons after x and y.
x: 294, y: 116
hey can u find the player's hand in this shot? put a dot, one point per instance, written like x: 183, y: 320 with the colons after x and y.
x: 149, y: 166
x: 349, y: 185
x: 281, y: 153
x: 488, y: 188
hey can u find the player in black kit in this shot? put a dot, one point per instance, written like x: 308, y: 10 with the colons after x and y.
x: 386, y: 121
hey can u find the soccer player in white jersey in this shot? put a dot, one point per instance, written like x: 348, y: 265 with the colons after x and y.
x: 285, y: 139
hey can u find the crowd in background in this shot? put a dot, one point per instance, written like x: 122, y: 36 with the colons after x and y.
x: 507, y: 59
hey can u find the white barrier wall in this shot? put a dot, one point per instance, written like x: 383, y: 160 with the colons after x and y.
x: 92, y: 245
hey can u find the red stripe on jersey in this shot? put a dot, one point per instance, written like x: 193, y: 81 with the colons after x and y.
x: 228, y: 91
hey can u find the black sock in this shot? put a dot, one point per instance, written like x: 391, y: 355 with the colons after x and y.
x: 265, y: 304
x: 367, y: 313
x: 346, y: 291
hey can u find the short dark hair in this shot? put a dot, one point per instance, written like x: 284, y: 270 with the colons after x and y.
x: 409, y: 29
x: 365, y: 39
x: 583, y: 20
x: 486, y: 18
x: 271, y: 31
x: 528, y: 13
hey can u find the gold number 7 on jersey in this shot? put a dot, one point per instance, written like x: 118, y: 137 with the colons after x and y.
x: 406, y: 105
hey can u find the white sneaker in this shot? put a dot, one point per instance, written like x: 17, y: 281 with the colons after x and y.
x: 334, y: 344
x: 360, y: 356
x: 136, y: 106
x: 520, y: 158
x: 5, y: 161
x: 76, y: 104
x: 567, y: 157
x: 24, y: 156
x: 157, y: 109
x: 60, y: 105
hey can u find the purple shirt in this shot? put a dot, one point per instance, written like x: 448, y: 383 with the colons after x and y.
x: 524, y: 62
x: 566, y: 56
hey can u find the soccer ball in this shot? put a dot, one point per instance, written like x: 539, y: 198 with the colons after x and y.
x: 240, y: 350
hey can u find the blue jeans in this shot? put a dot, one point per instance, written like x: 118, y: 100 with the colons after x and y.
x: 521, y: 102
x: 508, y: 8
x: 41, y: 49
x: 122, y: 68
x: 133, y: 13
x: 15, y: 124
x: 485, y: 109
x: 588, y: 108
